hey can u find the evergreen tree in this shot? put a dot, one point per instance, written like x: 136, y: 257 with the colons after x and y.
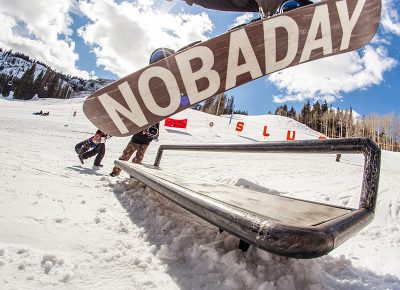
x: 292, y: 113
x: 8, y: 86
x: 229, y: 105
x: 54, y: 86
x: 24, y: 89
x: 324, y: 107
x: 37, y: 84
x: 282, y: 111
x: 208, y: 106
x: 305, y: 114
x: 220, y: 104
x: 240, y: 112
x: 316, y: 117
x: 44, y: 85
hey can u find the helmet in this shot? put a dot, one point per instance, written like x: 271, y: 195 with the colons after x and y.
x: 159, y: 54
x: 289, y: 5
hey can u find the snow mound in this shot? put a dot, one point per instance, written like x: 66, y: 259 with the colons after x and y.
x: 67, y: 225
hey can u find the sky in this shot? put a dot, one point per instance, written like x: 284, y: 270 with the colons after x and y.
x: 113, y: 38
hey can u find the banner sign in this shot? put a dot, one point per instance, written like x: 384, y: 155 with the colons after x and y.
x: 175, y: 123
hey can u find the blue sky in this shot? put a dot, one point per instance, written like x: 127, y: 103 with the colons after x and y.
x: 110, y: 39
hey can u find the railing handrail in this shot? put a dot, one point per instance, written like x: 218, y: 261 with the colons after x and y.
x: 372, y: 156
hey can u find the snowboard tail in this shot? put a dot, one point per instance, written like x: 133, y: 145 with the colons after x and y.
x: 206, y: 69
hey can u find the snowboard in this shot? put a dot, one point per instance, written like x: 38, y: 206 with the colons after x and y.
x: 238, y: 56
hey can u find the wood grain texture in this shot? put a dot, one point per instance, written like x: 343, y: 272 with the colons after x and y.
x: 157, y: 99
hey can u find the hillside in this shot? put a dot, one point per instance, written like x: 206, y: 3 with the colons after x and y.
x: 13, y: 66
x: 65, y: 225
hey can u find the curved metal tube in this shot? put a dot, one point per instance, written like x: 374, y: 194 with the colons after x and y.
x: 271, y: 235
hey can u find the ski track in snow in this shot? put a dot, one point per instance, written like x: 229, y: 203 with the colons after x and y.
x: 67, y: 226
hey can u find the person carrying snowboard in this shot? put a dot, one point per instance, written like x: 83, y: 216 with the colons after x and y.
x: 140, y: 141
x: 265, y: 7
x: 97, y: 146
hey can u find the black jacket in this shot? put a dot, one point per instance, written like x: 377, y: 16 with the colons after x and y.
x: 144, y: 137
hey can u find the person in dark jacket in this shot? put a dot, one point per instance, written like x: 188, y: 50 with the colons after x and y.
x: 139, y: 143
x: 97, y: 146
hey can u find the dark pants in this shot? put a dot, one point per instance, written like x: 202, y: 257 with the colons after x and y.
x: 100, y: 150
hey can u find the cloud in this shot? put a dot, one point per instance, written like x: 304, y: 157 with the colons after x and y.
x: 40, y: 29
x: 330, y: 77
x: 390, y: 19
x: 242, y: 19
x: 124, y: 35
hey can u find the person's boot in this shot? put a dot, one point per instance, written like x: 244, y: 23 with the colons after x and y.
x: 262, y: 6
x: 271, y: 7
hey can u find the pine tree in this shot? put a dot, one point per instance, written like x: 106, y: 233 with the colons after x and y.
x: 44, y: 85
x: 292, y: 113
x: 208, y: 105
x: 316, y: 117
x: 54, y: 86
x: 220, y: 103
x: 229, y: 105
x: 24, y: 89
x: 305, y: 115
x: 37, y: 83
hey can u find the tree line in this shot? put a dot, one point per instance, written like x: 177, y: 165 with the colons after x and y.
x: 340, y: 123
x: 218, y: 105
x: 48, y: 84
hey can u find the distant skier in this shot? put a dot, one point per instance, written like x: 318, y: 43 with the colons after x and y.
x: 91, y: 147
x: 265, y: 7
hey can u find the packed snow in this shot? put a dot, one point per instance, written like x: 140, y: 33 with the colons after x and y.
x: 64, y: 225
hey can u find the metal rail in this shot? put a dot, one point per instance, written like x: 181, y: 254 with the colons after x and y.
x: 372, y: 156
x: 261, y: 230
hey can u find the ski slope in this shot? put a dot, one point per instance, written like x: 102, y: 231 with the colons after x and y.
x: 64, y: 225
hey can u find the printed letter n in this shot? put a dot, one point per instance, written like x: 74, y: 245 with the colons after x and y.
x: 134, y: 113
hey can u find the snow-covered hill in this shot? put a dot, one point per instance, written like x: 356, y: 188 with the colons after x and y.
x: 68, y: 226
x: 16, y: 64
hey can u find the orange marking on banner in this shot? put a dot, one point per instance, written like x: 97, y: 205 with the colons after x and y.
x: 265, y: 133
x: 290, y: 136
x: 239, y: 126
x: 322, y: 137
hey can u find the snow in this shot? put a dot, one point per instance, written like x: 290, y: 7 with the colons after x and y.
x: 64, y: 225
